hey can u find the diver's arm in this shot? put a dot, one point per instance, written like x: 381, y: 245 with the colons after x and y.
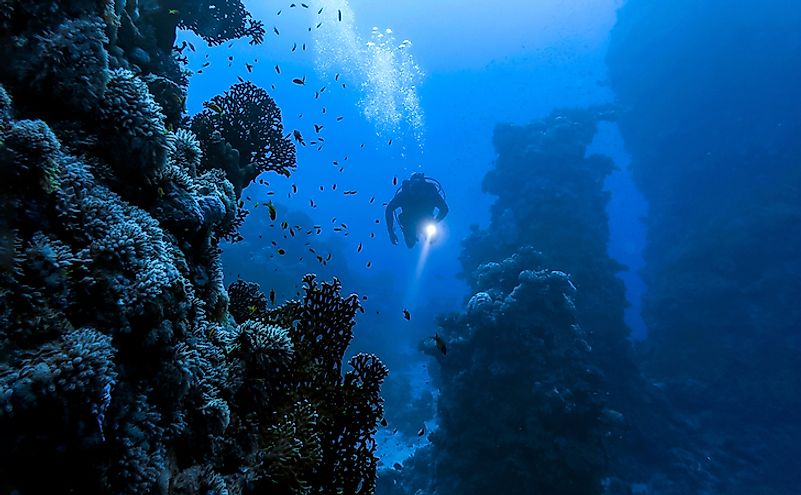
x: 389, y: 218
x: 442, y: 208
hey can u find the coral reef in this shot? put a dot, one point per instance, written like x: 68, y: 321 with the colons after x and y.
x: 338, y: 414
x: 121, y: 368
x: 521, y: 404
x: 550, y: 194
x: 712, y: 122
x: 245, y: 119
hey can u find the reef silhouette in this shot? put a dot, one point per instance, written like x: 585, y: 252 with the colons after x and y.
x: 712, y: 124
x: 125, y: 364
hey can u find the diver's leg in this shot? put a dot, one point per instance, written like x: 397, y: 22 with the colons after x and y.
x: 410, y: 239
x: 408, y: 231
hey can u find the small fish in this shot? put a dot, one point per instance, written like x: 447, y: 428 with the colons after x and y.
x: 304, y: 6
x: 359, y: 249
x: 230, y: 58
x: 272, y: 296
x: 249, y: 67
x: 298, y: 137
x: 406, y: 314
x: 394, y: 181
x: 205, y: 64
x: 239, y: 78
x: 303, y: 47
x: 279, y: 12
x: 339, y: 15
x: 422, y: 431
x: 215, y: 107
x: 174, y: 11
x: 281, y: 251
x: 440, y: 343
x: 336, y: 77
x: 294, y: 189
x: 320, y: 11
x: 277, y: 69
x: 300, y: 81
x: 252, y: 308
x: 271, y: 209
x: 369, y: 264
x: 384, y: 422
x: 294, y: 46
x: 317, y: 127
x: 324, y: 110
x: 372, y: 199
x: 191, y: 46
x: 276, y: 31
x: 340, y: 118
x: 319, y: 24
x: 389, y: 142
x: 316, y: 95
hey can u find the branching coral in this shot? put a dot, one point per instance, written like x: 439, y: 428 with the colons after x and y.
x: 246, y: 118
x: 247, y: 300
x: 347, y: 409
x: 218, y: 21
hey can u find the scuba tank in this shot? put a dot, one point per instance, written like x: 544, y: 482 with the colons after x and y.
x: 429, y: 180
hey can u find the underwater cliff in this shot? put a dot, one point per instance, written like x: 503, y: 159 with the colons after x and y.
x: 710, y: 98
x: 125, y: 364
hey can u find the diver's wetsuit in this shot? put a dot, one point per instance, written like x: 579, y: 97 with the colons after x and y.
x: 417, y: 200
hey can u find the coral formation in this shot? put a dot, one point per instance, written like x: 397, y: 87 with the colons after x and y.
x: 550, y: 194
x: 520, y: 400
x: 218, y: 21
x: 246, y: 119
x: 121, y: 368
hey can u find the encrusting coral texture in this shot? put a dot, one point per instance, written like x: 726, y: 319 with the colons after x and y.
x: 521, y: 405
x: 125, y: 365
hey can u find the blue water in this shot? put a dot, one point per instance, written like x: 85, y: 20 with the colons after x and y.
x: 419, y: 86
x: 473, y: 75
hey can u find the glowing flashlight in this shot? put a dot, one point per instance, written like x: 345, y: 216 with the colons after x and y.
x: 431, y: 230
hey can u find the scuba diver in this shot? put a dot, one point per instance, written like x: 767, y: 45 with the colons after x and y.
x: 416, y: 197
